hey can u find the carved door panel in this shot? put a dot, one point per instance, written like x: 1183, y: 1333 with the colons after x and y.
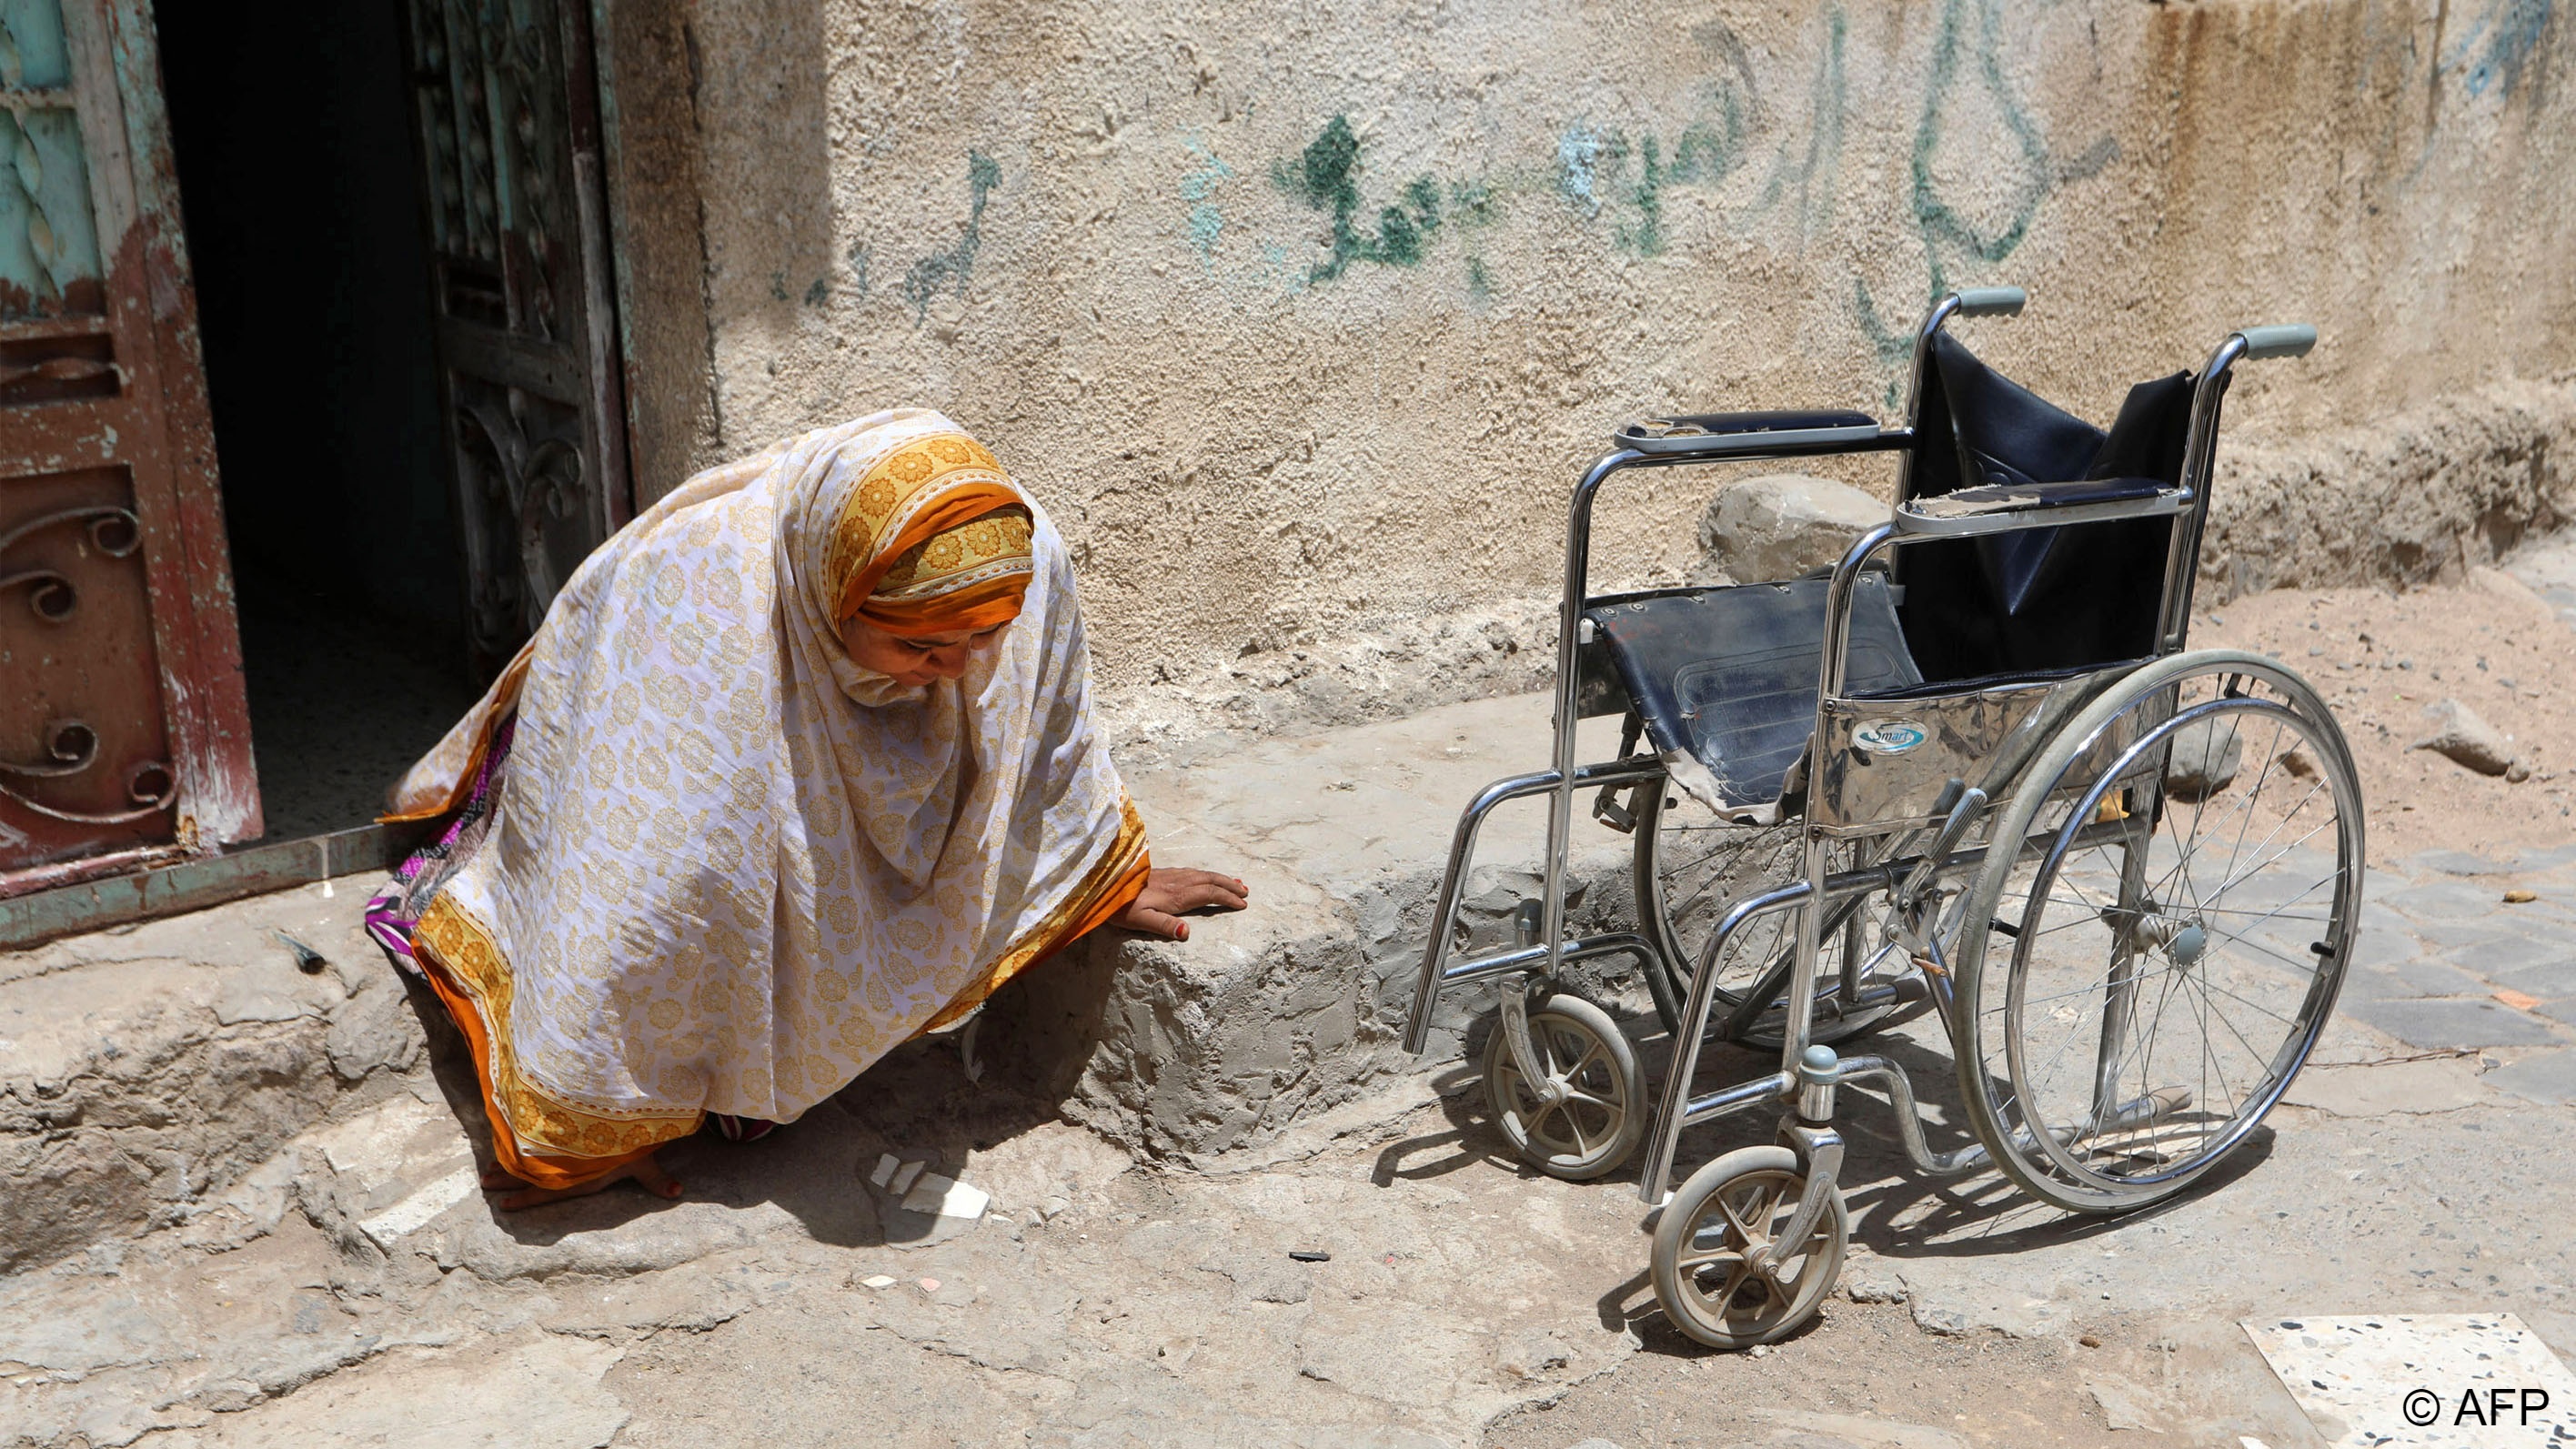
x: 123, y: 734
x: 507, y: 107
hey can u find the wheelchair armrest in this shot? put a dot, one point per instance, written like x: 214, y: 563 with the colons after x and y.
x: 1717, y: 435
x: 2004, y: 507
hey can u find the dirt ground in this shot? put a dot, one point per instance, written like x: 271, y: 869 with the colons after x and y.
x: 1861, y: 1361
x: 2380, y: 658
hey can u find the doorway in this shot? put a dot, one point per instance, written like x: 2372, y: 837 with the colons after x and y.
x: 298, y: 186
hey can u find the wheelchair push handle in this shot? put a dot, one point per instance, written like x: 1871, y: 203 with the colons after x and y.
x: 1992, y: 301
x: 2287, y: 340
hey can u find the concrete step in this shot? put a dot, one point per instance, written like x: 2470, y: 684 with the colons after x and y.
x: 146, y: 1071
x: 1295, y: 1006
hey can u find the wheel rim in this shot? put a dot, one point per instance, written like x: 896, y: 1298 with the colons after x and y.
x: 1697, y: 865
x: 1591, y: 1118
x: 2195, y: 951
x: 1714, y: 1269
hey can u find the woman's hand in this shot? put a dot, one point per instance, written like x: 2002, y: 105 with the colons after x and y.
x: 1170, y: 894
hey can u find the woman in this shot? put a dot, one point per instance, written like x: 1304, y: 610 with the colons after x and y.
x: 800, y: 765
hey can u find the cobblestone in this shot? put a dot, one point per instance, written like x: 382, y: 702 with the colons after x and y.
x: 2549, y: 1077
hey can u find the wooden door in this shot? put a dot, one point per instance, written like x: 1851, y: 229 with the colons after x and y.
x: 506, y: 103
x: 123, y: 733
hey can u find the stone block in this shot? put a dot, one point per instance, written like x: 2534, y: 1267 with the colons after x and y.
x: 2553, y: 974
x: 2457, y: 733
x: 2461, y: 862
x: 2456, y: 936
x: 1783, y: 524
x: 2204, y: 759
x: 2454, y: 1023
x: 2509, y: 958
x: 2408, y: 980
x: 2549, y: 1077
x: 2447, y: 900
x: 2384, y: 947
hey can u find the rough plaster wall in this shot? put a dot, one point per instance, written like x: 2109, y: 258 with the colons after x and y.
x: 1301, y: 317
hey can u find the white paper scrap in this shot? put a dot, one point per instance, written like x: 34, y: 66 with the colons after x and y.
x: 947, y: 1197
x: 885, y: 1169
x: 903, y: 1180
x: 876, y: 1280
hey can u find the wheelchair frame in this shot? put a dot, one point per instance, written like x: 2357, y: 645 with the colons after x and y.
x: 1925, y: 846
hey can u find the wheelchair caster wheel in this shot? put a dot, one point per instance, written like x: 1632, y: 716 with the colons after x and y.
x: 1603, y: 1114
x: 1704, y: 1269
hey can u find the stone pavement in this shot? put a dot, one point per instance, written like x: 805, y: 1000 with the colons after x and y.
x: 241, y: 1211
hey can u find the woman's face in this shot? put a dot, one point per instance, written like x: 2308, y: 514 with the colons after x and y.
x: 913, y: 661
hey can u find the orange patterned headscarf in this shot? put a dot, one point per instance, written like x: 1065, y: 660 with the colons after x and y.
x: 932, y: 539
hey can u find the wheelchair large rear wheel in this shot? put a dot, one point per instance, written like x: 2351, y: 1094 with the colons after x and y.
x: 1690, y: 867
x: 2140, y: 983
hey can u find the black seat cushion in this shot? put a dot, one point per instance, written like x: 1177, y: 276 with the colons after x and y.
x: 1725, y: 679
x: 2049, y: 598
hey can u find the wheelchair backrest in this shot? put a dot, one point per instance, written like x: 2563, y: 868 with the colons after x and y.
x: 2043, y: 600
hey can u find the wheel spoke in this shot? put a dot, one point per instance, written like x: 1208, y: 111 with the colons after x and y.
x: 1752, y: 1223
x: 2089, y: 1016
x: 1688, y: 1264
x: 1573, y: 1129
x: 1600, y: 1052
x: 1724, y: 1298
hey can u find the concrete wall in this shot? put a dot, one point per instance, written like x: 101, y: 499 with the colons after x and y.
x: 1301, y: 316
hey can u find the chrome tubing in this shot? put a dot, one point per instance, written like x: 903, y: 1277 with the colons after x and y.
x: 2199, y: 462
x: 1672, y: 1113
x: 1527, y: 958
x: 1798, y: 1012
x: 1909, y: 1119
x: 1560, y: 805
x: 1462, y: 846
x: 1838, y: 601
x: 2137, y: 1111
x: 1973, y: 302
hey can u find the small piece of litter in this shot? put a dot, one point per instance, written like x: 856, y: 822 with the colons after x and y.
x: 946, y: 1197
x: 2518, y: 1000
x: 2520, y: 897
x: 307, y: 960
x: 2248, y: 1441
x: 1310, y: 1255
x: 885, y: 1170
x: 929, y: 1285
x: 876, y: 1280
x: 903, y: 1180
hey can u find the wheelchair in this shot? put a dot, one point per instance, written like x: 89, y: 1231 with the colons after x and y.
x: 1972, y: 766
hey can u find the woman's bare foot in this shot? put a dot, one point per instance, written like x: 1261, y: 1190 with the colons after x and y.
x: 643, y: 1170
x: 1170, y: 894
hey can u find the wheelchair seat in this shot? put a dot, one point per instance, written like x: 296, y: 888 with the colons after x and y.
x: 1724, y: 680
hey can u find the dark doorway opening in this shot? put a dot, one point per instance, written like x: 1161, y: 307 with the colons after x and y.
x: 297, y: 183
